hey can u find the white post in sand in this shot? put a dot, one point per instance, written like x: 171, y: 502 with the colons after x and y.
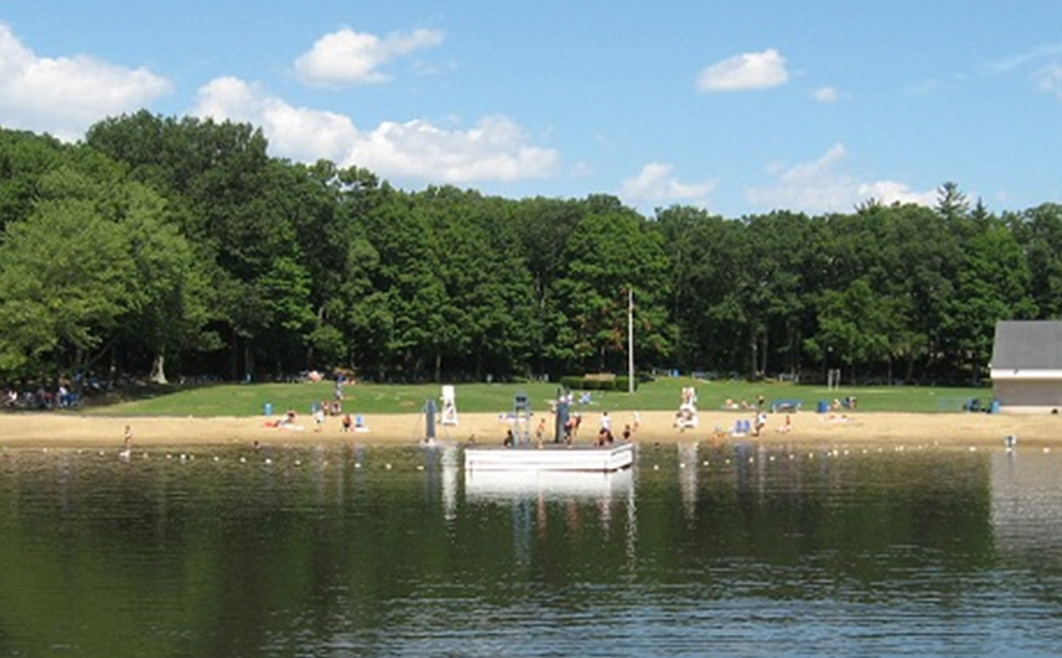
x: 630, y: 339
x: 449, y: 406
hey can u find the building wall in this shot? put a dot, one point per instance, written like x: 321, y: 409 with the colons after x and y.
x: 1028, y: 393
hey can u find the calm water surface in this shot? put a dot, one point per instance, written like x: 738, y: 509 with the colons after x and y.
x: 736, y: 550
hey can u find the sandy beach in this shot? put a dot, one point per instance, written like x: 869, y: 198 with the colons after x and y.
x: 956, y: 429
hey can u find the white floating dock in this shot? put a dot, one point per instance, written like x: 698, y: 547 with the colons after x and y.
x: 551, y: 457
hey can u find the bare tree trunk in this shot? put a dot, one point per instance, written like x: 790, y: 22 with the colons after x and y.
x: 158, y: 372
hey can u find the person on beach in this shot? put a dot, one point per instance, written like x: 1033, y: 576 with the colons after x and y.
x: 127, y: 445
x: 319, y: 418
x: 760, y: 422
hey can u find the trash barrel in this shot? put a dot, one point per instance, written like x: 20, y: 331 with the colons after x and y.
x: 268, y: 409
x: 994, y: 407
x: 823, y: 406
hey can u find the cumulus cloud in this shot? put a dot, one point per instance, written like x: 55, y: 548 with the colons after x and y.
x: 825, y: 94
x: 299, y: 133
x: 494, y: 149
x: 817, y: 186
x: 65, y: 95
x: 745, y: 71
x: 346, y: 57
x: 655, y: 183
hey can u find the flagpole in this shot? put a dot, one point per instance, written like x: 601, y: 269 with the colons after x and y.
x: 630, y: 339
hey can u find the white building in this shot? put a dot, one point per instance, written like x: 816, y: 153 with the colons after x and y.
x: 1026, y: 367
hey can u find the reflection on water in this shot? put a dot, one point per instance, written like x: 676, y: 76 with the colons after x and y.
x: 733, y: 549
x: 548, y: 485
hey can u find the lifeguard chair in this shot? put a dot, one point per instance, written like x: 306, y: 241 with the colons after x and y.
x: 449, y: 406
x: 687, y: 414
x: 521, y: 418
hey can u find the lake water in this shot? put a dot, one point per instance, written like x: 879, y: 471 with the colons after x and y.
x: 736, y: 550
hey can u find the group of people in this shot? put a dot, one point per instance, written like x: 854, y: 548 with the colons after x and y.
x: 759, y: 405
x: 41, y: 398
x: 605, y: 435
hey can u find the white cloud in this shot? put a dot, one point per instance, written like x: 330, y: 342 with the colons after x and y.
x: 1015, y: 61
x: 825, y: 94
x: 495, y: 149
x: 655, y: 183
x: 347, y: 57
x: 298, y: 133
x: 65, y: 95
x: 1049, y: 79
x: 816, y: 186
x: 745, y: 71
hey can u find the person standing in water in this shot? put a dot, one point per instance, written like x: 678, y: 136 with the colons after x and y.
x: 127, y: 444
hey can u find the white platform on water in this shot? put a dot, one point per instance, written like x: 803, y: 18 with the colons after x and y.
x: 550, y: 457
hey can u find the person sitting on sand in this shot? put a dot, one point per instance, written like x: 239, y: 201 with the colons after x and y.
x: 787, y: 426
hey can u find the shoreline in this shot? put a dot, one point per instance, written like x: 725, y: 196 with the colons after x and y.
x: 59, y: 430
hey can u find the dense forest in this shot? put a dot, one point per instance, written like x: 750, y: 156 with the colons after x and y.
x: 176, y: 247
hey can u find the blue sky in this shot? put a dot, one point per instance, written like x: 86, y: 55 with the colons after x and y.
x: 735, y: 107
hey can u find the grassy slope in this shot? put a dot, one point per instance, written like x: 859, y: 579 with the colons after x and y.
x: 663, y: 394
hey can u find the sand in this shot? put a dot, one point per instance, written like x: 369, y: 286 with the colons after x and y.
x: 949, y: 429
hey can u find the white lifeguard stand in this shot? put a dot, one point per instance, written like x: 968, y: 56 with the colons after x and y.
x: 687, y: 414
x: 449, y: 406
x: 521, y: 419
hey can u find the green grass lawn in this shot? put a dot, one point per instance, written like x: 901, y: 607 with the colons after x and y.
x: 662, y: 394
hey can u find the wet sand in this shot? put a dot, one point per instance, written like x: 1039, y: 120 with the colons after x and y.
x: 957, y: 429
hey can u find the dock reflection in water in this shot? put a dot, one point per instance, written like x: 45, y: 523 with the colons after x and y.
x: 551, y: 485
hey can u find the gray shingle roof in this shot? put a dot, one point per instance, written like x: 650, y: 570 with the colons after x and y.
x: 1028, y: 344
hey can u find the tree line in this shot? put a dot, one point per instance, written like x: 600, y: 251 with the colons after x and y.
x: 169, y: 246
